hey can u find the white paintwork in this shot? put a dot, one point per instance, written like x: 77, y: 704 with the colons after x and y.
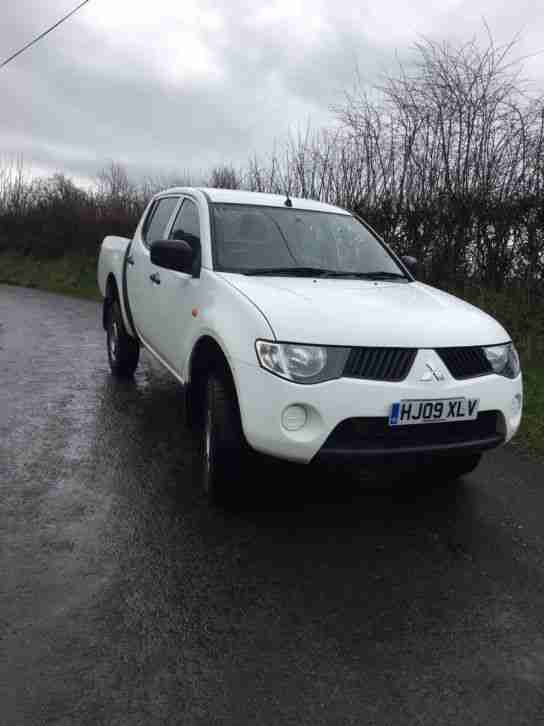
x: 359, y: 312
x: 110, y: 261
x: 236, y: 310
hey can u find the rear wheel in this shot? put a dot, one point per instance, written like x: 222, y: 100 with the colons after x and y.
x: 123, y: 350
x: 223, y: 447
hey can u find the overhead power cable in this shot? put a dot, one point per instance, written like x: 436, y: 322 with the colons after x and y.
x: 42, y: 35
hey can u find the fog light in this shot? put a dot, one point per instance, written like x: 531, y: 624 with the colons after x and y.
x: 517, y: 402
x: 294, y: 418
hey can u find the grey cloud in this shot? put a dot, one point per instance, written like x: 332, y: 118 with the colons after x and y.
x: 77, y: 99
x: 64, y: 110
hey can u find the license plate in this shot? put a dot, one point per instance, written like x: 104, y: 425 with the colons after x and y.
x: 436, y: 410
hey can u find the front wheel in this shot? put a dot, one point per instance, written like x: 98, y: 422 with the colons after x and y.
x: 123, y: 350
x: 223, y: 447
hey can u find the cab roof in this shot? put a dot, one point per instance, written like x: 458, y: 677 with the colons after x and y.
x: 236, y: 196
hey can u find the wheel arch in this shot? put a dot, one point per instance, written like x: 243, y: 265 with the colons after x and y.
x: 113, y: 293
x: 207, y: 355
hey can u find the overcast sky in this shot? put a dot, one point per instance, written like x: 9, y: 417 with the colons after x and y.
x: 174, y: 85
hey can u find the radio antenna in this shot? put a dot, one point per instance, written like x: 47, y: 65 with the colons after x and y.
x: 288, y: 202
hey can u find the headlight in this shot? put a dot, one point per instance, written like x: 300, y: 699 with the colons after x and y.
x: 503, y: 359
x: 302, y: 363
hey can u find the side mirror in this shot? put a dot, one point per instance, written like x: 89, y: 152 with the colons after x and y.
x: 172, y: 255
x: 411, y: 263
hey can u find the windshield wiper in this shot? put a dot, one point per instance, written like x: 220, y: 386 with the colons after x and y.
x: 289, y: 271
x: 378, y: 275
x: 321, y: 272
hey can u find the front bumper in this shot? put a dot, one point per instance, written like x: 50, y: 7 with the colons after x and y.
x: 372, y: 439
x: 264, y: 398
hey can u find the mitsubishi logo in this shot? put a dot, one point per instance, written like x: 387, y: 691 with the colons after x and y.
x: 432, y: 373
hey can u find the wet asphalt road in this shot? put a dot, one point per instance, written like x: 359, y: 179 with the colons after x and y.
x: 332, y: 600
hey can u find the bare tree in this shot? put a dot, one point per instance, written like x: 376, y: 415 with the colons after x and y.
x: 225, y: 177
x: 447, y: 147
x: 113, y: 181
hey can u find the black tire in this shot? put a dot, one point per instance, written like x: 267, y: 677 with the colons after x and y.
x: 451, y: 468
x: 123, y: 349
x: 223, y: 450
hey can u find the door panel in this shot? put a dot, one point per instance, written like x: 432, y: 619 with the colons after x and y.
x: 142, y: 290
x: 179, y: 292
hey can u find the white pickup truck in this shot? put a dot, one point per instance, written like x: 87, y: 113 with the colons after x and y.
x: 298, y: 333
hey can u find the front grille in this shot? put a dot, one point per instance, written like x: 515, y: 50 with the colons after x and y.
x: 465, y: 362
x: 379, y: 364
x: 375, y: 436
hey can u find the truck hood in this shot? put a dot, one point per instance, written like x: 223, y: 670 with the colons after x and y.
x: 361, y: 312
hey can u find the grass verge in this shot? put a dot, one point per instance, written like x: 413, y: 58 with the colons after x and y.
x: 70, y: 275
x: 531, y: 434
x: 76, y: 275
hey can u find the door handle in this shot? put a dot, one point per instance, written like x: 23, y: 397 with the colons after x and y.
x: 155, y: 277
x: 130, y: 260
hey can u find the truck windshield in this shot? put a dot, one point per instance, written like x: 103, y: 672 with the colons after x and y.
x: 273, y: 240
